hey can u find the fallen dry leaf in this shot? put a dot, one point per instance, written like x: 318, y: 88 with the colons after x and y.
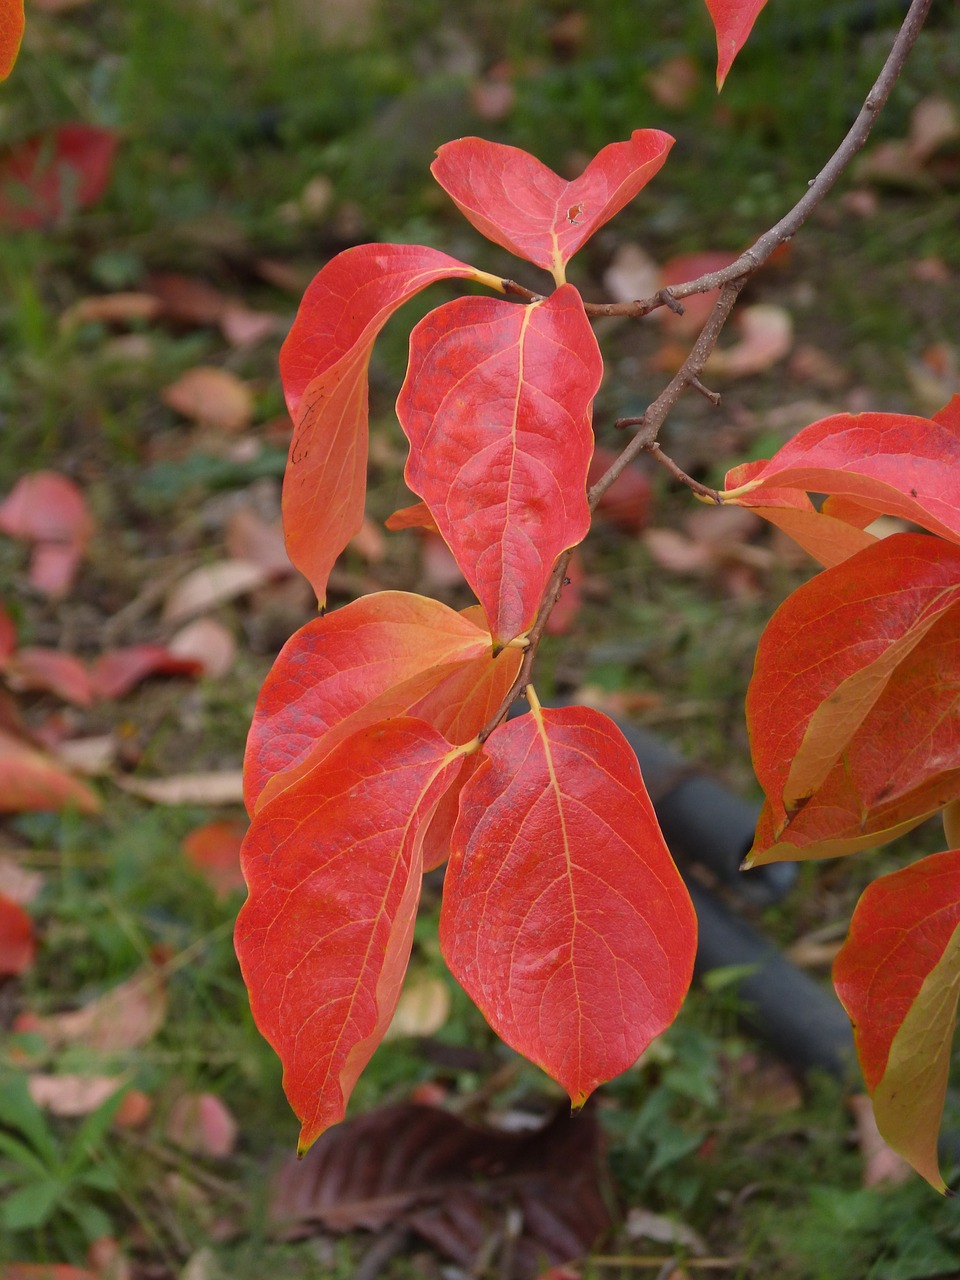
x: 627, y: 502
x: 48, y: 509
x: 766, y: 336
x: 118, y: 671
x: 213, y: 849
x: 44, y: 177
x: 207, y: 642
x: 92, y: 756
x: 225, y: 787
x: 674, y: 83
x: 17, y: 883
x: 71, y: 1094
x: 632, y: 274
x: 211, y: 585
x: 31, y: 780
x: 250, y: 537
x: 111, y: 308
x: 18, y: 944
x: 201, y: 1124
x: 125, y: 1017
x: 212, y: 397
x: 50, y: 671
x: 423, y: 1008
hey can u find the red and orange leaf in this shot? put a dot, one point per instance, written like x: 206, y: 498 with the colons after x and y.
x: 517, y: 202
x: 18, y: 944
x: 415, y: 517
x: 336, y: 666
x: 45, y: 177
x: 887, y: 463
x: 323, y: 366
x: 460, y: 706
x: 118, y: 671
x: 496, y: 406
x: 50, y: 671
x: 828, y: 651
x: 31, y: 780
x: 333, y: 868
x: 733, y: 21
x: 564, y: 917
x: 11, y: 33
x: 898, y: 977
x: 825, y: 537
x: 900, y: 765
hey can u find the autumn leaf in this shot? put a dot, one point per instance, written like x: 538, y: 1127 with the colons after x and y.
x: 332, y: 671
x: 323, y: 366
x: 517, y: 202
x: 44, y: 177
x: 30, y: 779
x: 496, y: 406
x: 18, y: 944
x: 333, y: 868
x: 564, y: 917
x: 887, y: 463
x: 898, y: 977
x: 213, y: 849
x: 11, y: 33
x: 118, y: 671
x: 733, y: 21
x: 48, y: 509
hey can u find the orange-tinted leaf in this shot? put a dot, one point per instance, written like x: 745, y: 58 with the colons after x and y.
x: 44, y: 177
x: 887, y: 463
x: 825, y: 537
x: 564, y: 917
x: 214, y: 850
x: 829, y: 650
x: 125, y: 1017
x: 17, y: 942
x: 323, y: 365
x: 900, y: 765
x: 898, y: 977
x: 517, y: 202
x: 11, y: 33
x: 337, y: 665
x: 213, y: 397
x: 496, y: 405
x: 118, y: 671
x: 416, y: 517
x: 733, y: 21
x: 32, y: 780
x: 333, y: 867
x: 51, y: 671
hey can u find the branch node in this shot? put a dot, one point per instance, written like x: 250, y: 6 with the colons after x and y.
x: 712, y: 396
x: 668, y: 300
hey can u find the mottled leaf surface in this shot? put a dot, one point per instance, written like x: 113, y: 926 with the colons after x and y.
x: 496, y: 406
x: 564, y: 917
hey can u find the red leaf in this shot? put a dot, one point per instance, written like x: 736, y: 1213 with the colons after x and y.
x: 887, y: 463
x: 214, y: 850
x: 416, y: 517
x: 733, y: 20
x: 337, y: 665
x: 8, y: 635
x: 564, y: 917
x: 333, y: 866
x: 496, y: 405
x: 118, y: 671
x: 323, y: 364
x: 11, y: 33
x: 828, y: 652
x: 32, y: 780
x: 898, y: 977
x: 899, y: 764
x: 517, y: 202
x: 44, y: 177
x: 48, y: 509
x: 627, y: 502
x: 17, y: 942
x: 53, y: 672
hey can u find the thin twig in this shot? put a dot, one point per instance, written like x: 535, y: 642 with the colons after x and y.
x: 730, y: 280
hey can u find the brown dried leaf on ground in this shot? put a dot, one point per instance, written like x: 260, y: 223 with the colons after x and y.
x: 207, y: 642
x: 70, y: 1094
x: 452, y: 1183
x: 212, y: 397
x: 217, y: 787
x: 125, y: 1017
x: 210, y: 585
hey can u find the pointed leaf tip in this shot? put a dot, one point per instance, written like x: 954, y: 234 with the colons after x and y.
x: 564, y: 917
x: 733, y: 21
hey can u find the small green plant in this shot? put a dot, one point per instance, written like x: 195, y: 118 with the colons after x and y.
x: 49, y: 1184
